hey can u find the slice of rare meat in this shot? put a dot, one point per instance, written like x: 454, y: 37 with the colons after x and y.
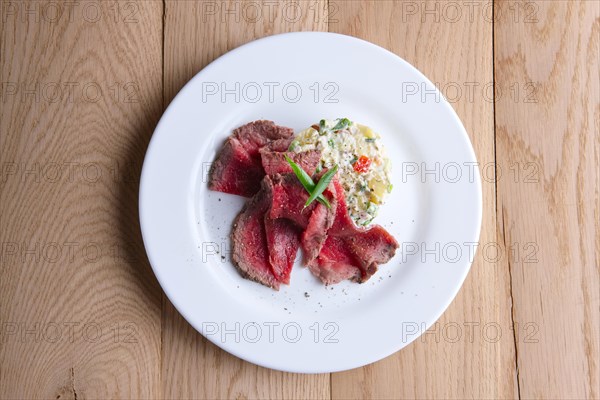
x: 350, y: 252
x: 238, y: 168
x: 279, y: 144
x: 319, y: 223
x: 250, y: 247
x: 371, y: 247
x: 289, y: 197
x: 335, y: 262
x: 283, y: 241
x: 234, y: 171
x: 288, y: 224
x: 274, y: 162
x: 257, y: 134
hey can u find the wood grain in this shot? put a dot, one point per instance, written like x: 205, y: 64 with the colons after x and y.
x: 556, y: 209
x: 459, y: 358
x: 80, y: 308
x: 195, y: 34
x: 81, y: 314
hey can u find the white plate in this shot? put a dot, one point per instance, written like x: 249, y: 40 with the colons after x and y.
x: 295, y: 80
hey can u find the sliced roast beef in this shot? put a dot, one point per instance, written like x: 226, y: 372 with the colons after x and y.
x: 274, y: 162
x: 343, y: 224
x: 264, y: 248
x: 237, y: 168
x: 371, y: 247
x: 289, y: 197
x: 272, y: 226
x: 234, y: 171
x: 350, y: 252
x: 319, y: 223
x: 283, y: 241
x: 257, y: 134
x: 249, y: 239
x: 335, y: 262
x: 279, y: 145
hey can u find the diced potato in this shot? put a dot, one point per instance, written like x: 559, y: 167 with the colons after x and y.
x: 379, y: 190
x: 368, y: 132
x: 362, y: 203
x: 306, y: 136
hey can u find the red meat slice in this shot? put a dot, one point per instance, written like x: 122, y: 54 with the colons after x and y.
x: 288, y: 200
x: 371, y: 248
x: 274, y: 162
x: 272, y: 226
x: 264, y: 248
x: 279, y: 144
x: 289, y: 197
x: 269, y: 230
x: 350, y: 252
x: 234, y: 171
x: 283, y: 241
x: 343, y: 224
x: 237, y: 168
x: 249, y: 239
x: 335, y: 263
x: 319, y: 223
x: 255, y: 135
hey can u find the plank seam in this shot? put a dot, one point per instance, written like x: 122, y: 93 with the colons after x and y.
x: 512, y: 308
x: 512, y: 302
x: 73, y: 383
x: 164, y: 17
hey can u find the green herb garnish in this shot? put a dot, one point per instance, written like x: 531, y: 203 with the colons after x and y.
x: 307, y: 181
x: 372, y: 208
x: 330, y: 141
x: 322, y: 185
x: 293, y: 145
x: 342, y: 124
x: 367, y: 222
x: 322, y: 127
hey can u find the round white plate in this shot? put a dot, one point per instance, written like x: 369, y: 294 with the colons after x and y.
x: 434, y: 210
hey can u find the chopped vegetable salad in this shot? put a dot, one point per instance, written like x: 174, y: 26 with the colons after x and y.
x: 364, y: 169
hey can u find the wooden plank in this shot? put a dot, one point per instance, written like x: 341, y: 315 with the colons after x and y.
x: 81, y: 93
x: 552, y: 139
x: 195, y: 34
x: 469, y: 353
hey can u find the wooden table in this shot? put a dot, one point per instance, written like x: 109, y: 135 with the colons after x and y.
x: 83, y: 86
